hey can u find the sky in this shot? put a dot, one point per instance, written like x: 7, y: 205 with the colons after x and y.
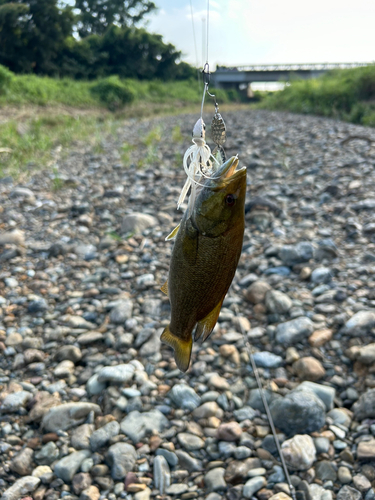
x: 245, y: 32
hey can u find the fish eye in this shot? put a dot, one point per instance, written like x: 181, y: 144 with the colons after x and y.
x: 230, y: 200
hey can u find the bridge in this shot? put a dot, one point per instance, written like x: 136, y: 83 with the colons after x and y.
x: 243, y: 76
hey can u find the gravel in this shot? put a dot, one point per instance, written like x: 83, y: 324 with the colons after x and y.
x: 92, y: 406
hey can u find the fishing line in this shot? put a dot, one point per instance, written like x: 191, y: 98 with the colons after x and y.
x: 250, y: 351
x: 195, y: 41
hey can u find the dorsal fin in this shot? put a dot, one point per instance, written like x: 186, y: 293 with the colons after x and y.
x: 173, y: 234
x: 164, y: 288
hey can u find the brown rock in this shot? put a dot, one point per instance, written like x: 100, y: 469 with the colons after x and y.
x: 264, y: 494
x: 230, y: 351
x: 256, y: 292
x: 280, y: 496
x: 80, y: 482
x: 135, y: 487
x: 40, y: 492
x: 230, y: 431
x: 42, y: 402
x: 309, y: 368
x: 305, y: 273
x: 218, y: 382
x: 154, y: 442
x: 320, y: 337
x: 22, y: 462
x: 50, y: 436
x: 91, y: 493
x: 366, y: 450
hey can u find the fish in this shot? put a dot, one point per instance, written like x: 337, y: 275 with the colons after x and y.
x: 208, y: 244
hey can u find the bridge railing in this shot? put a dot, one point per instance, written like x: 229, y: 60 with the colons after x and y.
x: 292, y: 67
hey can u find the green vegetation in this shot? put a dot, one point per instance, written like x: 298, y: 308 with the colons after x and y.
x: 85, y: 39
x: 58, y: 113
x: 111, y: 92
x: 343, y: 94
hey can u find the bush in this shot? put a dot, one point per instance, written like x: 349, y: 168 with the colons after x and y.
x: 5, y: 78
x: 113, y: 92
x: 343, y: 94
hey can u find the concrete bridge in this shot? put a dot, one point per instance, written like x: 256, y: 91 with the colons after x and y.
x: 242, y: 76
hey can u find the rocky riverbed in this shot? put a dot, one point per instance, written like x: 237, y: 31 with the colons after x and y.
x: 92, y: 405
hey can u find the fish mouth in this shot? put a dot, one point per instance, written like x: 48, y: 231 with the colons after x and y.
x: 228, y: 171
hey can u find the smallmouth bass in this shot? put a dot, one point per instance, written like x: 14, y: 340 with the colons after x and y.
x: 204, y: 259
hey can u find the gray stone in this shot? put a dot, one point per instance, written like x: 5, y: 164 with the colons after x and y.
x: 162, y: 475
x: 214, y: 479
x: 189, y: 441
x: 14, y: 401
x: 242, y: 452
x: 293, y: 331
x: 21, y: 487
x: 365, y: 406
x: 118, y: 374
x: 244, y: 413
x: 25, y: 194
x: 93, y: 385
x: 325, y: 393
x: 321, y: 445
x: 296, y: 254
x: 321, y: 275
x: 69, y: 465
x: 188, y: 462
x: 15, y: 237
x: 170, y: 457
x: 298, y: 412
x: 184, y: 397
x: 121, y: 457
x: 267, y: 359
x: 348, y: 493
x: 177, y: 489
x: 121, y: 312
x: 344, y: 475
x: 253, y: 485
x: 340, y: 416
x: 69, y: 352
x: 137, y: 222
x: 256, y: 402
x: 361, y: 483
x: 278, y: 302
x: 361, y: 322
x: 299, y: 452
x: 326, y: 471
x: 366, y: 354
x: 81, y: 436
x: 136, y: 425
x: 151, y: 347
x: 47, y: 454
x: 101, y: 436
x: 68, y: 415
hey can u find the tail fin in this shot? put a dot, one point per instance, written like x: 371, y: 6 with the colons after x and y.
x: 182, y: 348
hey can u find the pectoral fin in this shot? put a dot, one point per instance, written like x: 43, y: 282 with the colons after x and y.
x: 173, y: 234
x: 164, y: 288
x: 182, y: 348
x: 207, y: 324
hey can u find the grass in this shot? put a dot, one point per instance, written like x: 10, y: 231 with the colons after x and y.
x: 111, y: 92
x: 39, y: 115
x: 343, y: 94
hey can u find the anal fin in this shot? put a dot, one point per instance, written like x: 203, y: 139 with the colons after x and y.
x: 173, y: 234
x: 182, y: 348
x: 164, y: 288
x: 207, y: 324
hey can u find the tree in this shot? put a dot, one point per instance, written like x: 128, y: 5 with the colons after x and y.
x: 96, y: 16
x: 32, y: 34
